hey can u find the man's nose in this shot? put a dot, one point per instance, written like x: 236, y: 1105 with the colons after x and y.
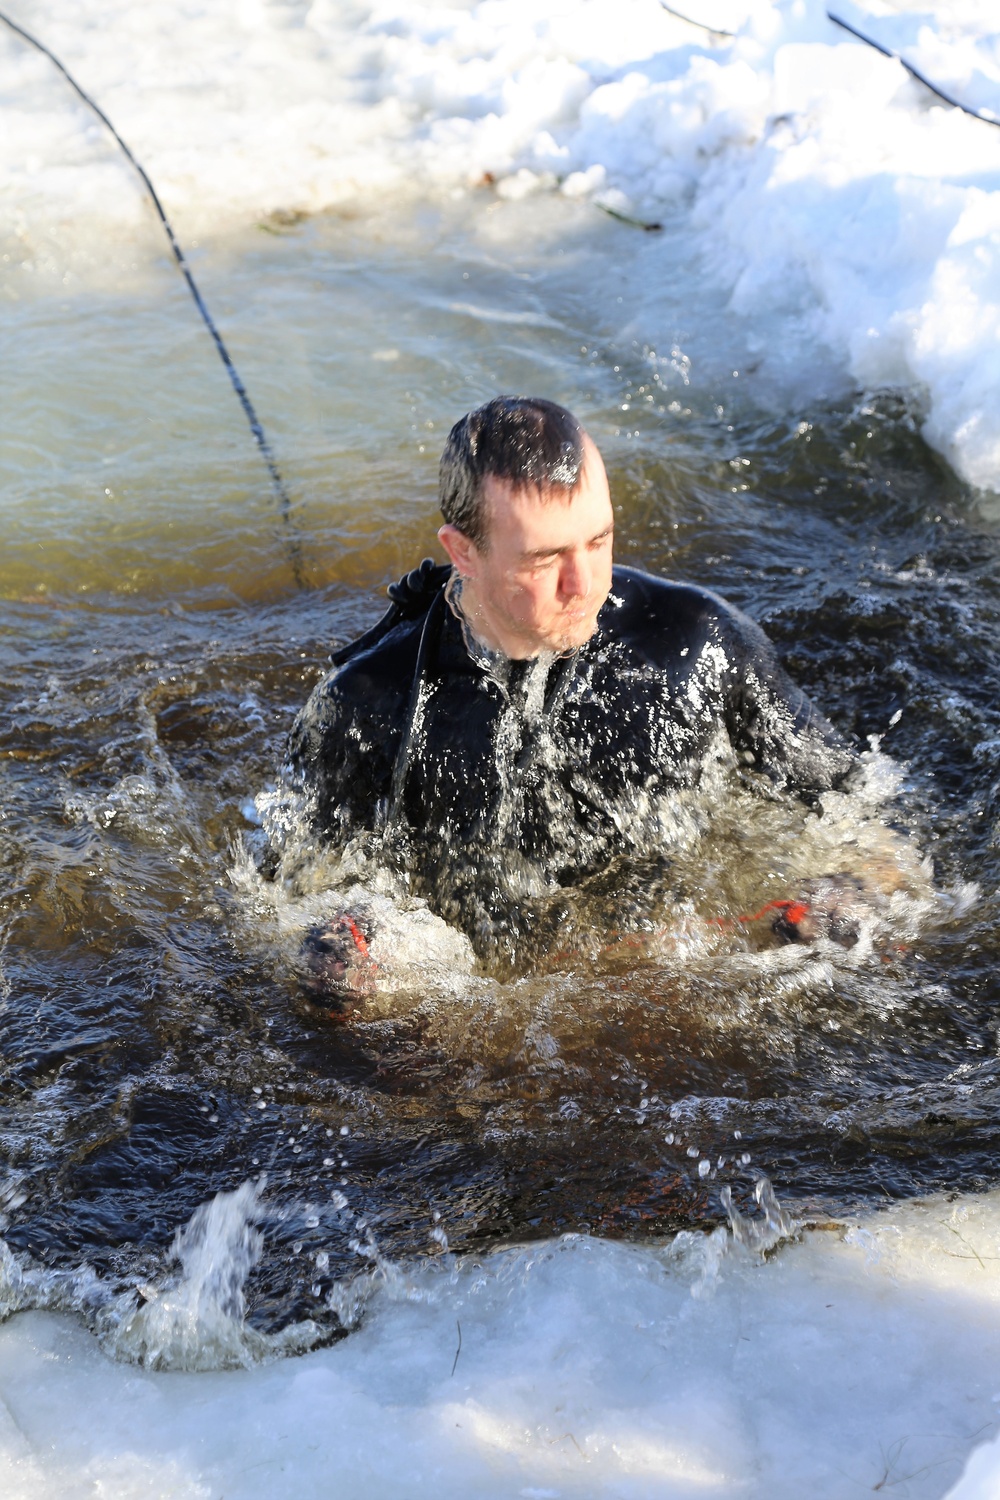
x: 576, y: 576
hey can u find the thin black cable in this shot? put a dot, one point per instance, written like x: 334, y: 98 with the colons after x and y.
x: 715, y: 30
x: 986, y: 116
x: 283, y: 497
x: 614, y: 213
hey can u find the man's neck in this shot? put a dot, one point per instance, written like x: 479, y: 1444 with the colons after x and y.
x: 468, y: 606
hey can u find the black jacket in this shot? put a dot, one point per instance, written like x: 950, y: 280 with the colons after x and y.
x: 490, y: 780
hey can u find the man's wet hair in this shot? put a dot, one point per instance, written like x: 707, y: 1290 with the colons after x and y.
x: 530, y: 443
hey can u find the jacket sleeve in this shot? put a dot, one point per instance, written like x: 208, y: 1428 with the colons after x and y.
x: 341, y: 752
x: 773, y: 726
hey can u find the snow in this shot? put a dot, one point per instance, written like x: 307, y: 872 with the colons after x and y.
x: 858, y: 1358
x: 834, y: 204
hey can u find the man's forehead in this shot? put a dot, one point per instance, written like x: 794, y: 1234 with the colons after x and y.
x: 501, y: 494
x: 591, y: 480
x: 533, y: 520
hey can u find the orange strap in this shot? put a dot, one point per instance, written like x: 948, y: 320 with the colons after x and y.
x: 361, y: 944
x: 358, y: 936
x: 793, y: 912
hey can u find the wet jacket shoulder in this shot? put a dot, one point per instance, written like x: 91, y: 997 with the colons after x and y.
x: 343, y: 744
x: 721, y: 665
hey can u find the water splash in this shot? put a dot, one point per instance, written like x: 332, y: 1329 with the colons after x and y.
x: 197, y: 1322
x: 763, y: 1234
x: 11, y: 1283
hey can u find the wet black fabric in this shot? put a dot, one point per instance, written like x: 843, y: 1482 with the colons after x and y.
x: 515, y: 773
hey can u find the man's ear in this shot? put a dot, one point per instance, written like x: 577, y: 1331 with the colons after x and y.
x: 462, y: 551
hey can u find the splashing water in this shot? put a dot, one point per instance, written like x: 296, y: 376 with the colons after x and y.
x: 155, y: 1043
x: 197, y: 1321
x: 759, y: 1235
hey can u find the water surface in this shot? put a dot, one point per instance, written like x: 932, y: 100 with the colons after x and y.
x: 154, y: 647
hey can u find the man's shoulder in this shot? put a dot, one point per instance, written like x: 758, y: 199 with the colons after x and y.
x: 388, y: 651
x: 643, y: 608
x: 377, y: 670
x: 669, y: 625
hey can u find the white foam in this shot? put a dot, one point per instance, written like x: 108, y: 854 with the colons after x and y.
x: 410, y: 946
x: 844, y: 214
x: 849, y: 1361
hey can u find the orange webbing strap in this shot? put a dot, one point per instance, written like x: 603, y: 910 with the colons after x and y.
x: 360, y: 941
x: 792, y: 911
x: 368, y: 966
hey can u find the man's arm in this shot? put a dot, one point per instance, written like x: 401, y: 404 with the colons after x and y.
x: 772, y: 725
x: 341, y: 751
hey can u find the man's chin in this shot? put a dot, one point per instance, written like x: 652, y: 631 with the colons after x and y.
x: 572, y: 633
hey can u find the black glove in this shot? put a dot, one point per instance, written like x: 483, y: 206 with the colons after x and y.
x: 832, y: 906
x: 338, y: 970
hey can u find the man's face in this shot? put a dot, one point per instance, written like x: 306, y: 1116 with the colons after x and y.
x: 546, y: 571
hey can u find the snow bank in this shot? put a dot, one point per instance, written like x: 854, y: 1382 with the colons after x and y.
x: 981, y: 1479
x: 853, y: 1361
x: 833, y: 199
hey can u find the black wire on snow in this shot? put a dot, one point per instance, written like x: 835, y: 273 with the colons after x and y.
x: 715, y: 30
x: 985, y: 115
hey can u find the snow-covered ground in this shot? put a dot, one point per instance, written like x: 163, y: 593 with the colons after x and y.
x: 837, y: 205
x: 858, y: 1360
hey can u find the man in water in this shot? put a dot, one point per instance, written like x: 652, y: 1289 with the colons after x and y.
x: 523, y: 720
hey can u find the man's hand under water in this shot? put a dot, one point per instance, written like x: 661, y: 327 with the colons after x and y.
x: 834, y: 907
x: 338, y: 970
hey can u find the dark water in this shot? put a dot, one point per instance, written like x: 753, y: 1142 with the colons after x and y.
x: 154, y: 1047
